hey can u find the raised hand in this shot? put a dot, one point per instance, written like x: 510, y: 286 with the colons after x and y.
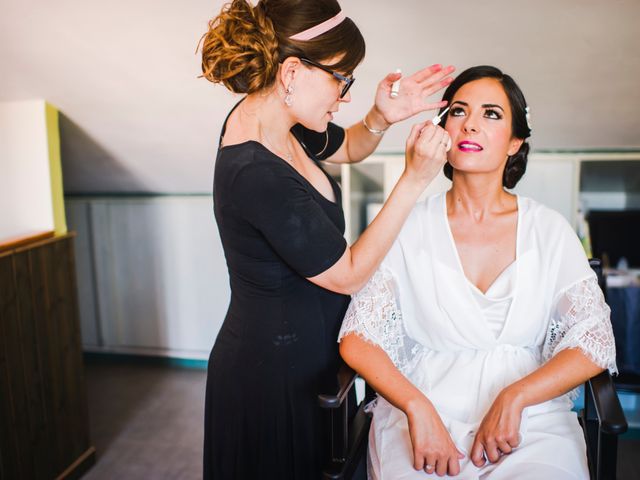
x: 414, y: 93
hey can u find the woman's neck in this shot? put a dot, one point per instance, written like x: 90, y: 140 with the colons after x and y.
x: 268, y: 116
x: 478, y: 196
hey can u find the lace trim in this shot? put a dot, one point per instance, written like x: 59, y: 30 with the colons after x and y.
x: 582, y: 320
x: 374, y: 315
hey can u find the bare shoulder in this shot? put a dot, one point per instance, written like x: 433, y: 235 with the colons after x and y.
x: 238, y: 130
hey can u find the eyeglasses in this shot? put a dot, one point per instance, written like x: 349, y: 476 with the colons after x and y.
x: 348, y: 81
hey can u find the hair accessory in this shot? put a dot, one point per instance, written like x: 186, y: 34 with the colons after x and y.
x: 527, y: 115
x: 374, y: 131
x: 319, y: 29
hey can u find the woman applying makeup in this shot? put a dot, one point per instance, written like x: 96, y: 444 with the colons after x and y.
x: 483, y: 317
x: 281, y: 224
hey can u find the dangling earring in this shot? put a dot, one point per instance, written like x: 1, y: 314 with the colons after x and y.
x: 288, y: 100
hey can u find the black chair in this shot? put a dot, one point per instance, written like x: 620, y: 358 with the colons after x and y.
x: 602, y: 417
x: 602, y: 420
x: 348, y: 427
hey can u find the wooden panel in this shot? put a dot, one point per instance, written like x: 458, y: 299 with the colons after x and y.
x: 17, y: 381
x: 67, y: 320
x: 44, y: 408
x: 38, y: 440
x: 9, y: 455
x: 51, y: 352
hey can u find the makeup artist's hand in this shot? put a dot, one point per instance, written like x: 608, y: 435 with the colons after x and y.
x: 499, y: 432
x: 413, y: 94
x: 426, y: 151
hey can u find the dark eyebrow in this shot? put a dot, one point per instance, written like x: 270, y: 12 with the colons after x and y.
x: 486, y: 105
x: 492, y: 105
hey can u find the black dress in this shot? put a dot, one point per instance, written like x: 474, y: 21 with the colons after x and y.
x: 277, y: 347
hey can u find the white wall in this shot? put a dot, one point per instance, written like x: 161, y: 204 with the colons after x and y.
x: 25, y: 184
x: 137, y: 118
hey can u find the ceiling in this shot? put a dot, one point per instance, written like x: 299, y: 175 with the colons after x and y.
x: 135, y: 117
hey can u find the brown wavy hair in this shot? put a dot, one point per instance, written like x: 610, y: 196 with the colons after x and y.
x: 244, y: 45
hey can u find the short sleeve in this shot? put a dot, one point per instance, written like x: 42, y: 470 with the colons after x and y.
x: 292, y: 222
x: 375, y: 316
x: 580, y: 317
x: 320, y: 145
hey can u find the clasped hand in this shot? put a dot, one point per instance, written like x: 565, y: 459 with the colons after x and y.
x: 434, y: 450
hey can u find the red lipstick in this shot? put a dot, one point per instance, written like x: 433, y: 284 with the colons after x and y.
x: 467, y: 146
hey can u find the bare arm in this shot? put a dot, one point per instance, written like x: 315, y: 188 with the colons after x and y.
x: 359, y: 142
x: 431, y: 442
x: 565, y: 371
x: 375, y: 366
x: 425, y: 156
x: 499, y: 430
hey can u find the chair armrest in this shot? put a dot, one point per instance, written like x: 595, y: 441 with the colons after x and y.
x: 607, y: 405
x: 346, y: 377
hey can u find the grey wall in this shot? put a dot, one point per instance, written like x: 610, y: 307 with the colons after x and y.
x: 137, y: 118
x: 151, y: 274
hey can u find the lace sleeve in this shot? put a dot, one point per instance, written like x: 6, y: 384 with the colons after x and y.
x: 582, y: 321
x: 374, y: 315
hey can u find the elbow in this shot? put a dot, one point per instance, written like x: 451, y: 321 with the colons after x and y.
x: 344, y: 289
x: 353, y: 283
x: 348, y: 285
x: 344, y: 277
x: 351, y: 288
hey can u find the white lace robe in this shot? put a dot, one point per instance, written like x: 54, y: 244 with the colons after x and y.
x: 419, y: 309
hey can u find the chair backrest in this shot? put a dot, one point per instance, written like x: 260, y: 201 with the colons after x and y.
x: 596, y: 266
x: 602, y: 417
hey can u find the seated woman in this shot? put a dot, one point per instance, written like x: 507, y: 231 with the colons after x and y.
x: 483, y: 316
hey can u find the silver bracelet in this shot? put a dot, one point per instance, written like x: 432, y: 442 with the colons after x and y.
x: 373, y: 131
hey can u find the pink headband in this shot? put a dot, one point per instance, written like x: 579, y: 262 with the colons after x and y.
x: 319, y: 29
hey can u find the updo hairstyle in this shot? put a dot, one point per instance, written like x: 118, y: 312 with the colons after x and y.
x: 516, y: 163
x: 245, y: 44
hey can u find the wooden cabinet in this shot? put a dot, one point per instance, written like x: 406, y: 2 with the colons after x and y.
x: 44, y: 424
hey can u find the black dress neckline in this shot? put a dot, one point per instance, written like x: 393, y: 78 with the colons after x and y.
x: 334, y: 186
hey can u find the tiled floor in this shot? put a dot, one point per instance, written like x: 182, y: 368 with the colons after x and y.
x: 147, y: 423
